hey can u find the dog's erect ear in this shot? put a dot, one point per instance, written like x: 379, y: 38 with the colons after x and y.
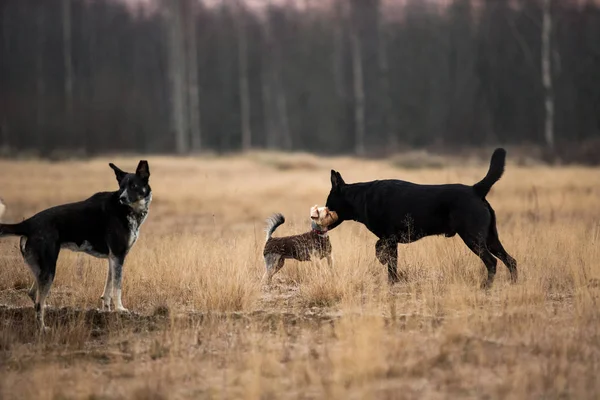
x: 118, y: 172
x: 336, y: 180
x: 143, y: 170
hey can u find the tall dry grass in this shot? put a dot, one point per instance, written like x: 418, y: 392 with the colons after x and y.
x: 208, y: 329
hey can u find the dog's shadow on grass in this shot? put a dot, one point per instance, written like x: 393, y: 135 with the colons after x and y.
x: 70, y: 326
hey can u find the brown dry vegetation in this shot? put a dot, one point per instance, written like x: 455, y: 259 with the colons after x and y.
x: 203, y: 327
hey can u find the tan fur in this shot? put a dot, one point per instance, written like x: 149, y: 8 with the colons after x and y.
x: 303, y: 247
x: 2, y: 209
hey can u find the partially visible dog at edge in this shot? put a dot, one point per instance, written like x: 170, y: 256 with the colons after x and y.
x: 301, y: 247
x: 105, y: 226
x: 403, y: 212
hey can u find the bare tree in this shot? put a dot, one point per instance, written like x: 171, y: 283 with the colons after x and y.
x: 4, y: 127
x: 384, y: 74
x: 358, y: 85
x: 338, y: 50
x: 547, y: 73
x: 240, y: 25
x: 267, y: 80
x: 193, y: 90
x: 40, y: 81
x: 283, y: 123
x: 177, y: 75
x: 68, y: 64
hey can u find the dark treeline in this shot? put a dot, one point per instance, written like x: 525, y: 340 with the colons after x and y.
x: 350, y: 77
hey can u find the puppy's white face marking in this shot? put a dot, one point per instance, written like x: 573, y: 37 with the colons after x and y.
x: 314, y: 212
x: 322, y: 216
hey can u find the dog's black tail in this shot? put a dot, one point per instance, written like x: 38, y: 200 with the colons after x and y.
x: 10, y: 229
x: 496, y: 170
x: 273, y: 223
x: 13, y: 230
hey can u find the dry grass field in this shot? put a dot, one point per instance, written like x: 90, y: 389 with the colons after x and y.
x: 202, y: 326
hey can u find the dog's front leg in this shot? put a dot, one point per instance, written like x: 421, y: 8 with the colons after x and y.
x: 386, y: 251
x: 118, y: 262
x: 108, y: 287
x: 330, y: 261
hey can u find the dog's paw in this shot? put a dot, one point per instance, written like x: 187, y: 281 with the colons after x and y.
x: 399, y: 277
x: 121, y: 309
x: 44, y: 330
x: 105, y: 305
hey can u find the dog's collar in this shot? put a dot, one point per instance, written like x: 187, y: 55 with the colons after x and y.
x: 319, y: 230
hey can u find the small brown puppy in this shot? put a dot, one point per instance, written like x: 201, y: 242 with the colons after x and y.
x: 298, y: 247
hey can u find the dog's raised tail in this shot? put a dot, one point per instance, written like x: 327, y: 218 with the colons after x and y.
x: 273, y: 222
x: 482, y: 188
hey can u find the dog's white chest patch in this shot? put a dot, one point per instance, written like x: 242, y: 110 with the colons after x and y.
x: 134, y: 228
x: 136, y: 220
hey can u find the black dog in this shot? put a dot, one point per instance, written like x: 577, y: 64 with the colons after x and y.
x: 106, y: 226
x: 403, y: 212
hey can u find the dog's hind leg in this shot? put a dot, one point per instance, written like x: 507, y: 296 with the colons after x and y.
x: 40, y: 256
x: 32, y: 293
x: 496, y: 248
x: 273, y: 263
x: 33, y: 290
x: 479, y: 247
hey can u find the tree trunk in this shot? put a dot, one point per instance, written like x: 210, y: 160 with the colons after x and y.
x: 243, y: 77
x: 4, y: 128
x: 359, y: 93
x: 177, y: 75
x: 338, y: 52
x: 286, y: 134
x: 40, y: 81
x: 87, y: 91
x: 193, y: 90
x: 384, y: 74
x: 68, y: 65
x: 547, y: 74
x: 267, y: 82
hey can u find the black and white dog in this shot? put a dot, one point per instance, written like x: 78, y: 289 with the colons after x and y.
x: 402, y: 212
x: 106, y: 226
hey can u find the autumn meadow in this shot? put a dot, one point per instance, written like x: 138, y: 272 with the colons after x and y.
x: 203, y: 326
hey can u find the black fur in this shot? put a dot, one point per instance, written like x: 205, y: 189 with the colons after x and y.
x: 106, y: 226
x: 402, y: 212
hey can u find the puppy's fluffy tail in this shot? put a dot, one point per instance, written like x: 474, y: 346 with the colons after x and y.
x: 10, y: 229
x: 273, y: 223
x: 496, y: 170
